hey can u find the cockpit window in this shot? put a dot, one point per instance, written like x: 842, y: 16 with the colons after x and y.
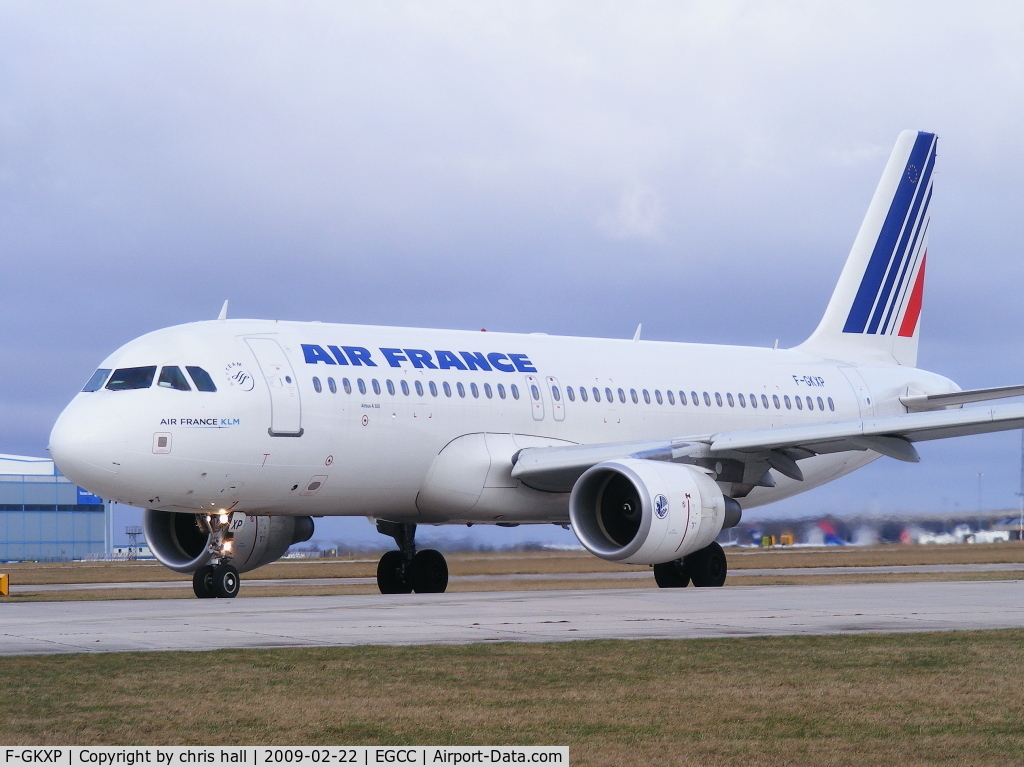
x: 97, y: 380
x: 172, y: 378
x: 132, y: 378
x: 201, y: 378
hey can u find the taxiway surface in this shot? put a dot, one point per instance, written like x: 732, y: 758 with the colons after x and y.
x: 528, y: 616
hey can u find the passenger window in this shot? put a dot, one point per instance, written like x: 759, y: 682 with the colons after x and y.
x: 707, y: 399
x: 622, y: 396
x: 405, y: 388
x: 460, y: 389
x: 671, y: 397
x: 361, y: 385
x: 476, y: 392
x: 632, y: 394
x: 764, y: 401
x: 171, y: 377
x: 376, y: 386
x: 729, y: 399
x: 831, y: 405
x: 515, y: 391
x: 447, y: 389
x: 132, y: 378
x: 799, y: 403
x: 535, y: 392
x: 583, y: 393
x: 433, y: 389
x: 657, y: 396
x: 555, y: 394
x: 821, y: 405
x: 202, y: 379
x: 487, y: 391
x: 742, y: 399
x: 810, y: 404
x: 753, y: 401
x: 346, y: 385
x: 789, y: 405
x: 316, y: 383
x: 718, y: 399
x: 571, y: 393
x: 608, y: 394
x: 419, y: 388
x: 775, y: 401
x: 96, y: 382
x: 501, y: 390
x: 332, y: 386
x: 391, y: 387
x: 647, y: 396
x: 597, y: 394
x: 693, y: 398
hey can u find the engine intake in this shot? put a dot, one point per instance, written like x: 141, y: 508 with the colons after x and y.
x: 637, y: 511
x: 178, y: 541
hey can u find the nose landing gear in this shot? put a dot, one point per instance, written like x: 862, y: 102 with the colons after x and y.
x: 219, y: 580
x: 407, y: 570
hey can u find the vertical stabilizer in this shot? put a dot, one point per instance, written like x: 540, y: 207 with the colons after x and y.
x: 874, y: 312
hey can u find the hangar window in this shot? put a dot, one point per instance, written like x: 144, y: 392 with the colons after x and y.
x: 361, y: 385
x: 391, y: 387
x: 799, y: 403
x: 96, y: 382
x: 460, y: 389
x: 433, y: 389
x: 632, y: 394
x: 831, y: 405
x: 376, y: 386
x: 671, y: 397
x: 171, y: 377
x: 332, y: 386
x: 775, y: 401
x: 405, y: 388
x: 501, y: 390
x: 487, y: 391
x: 316, y: 383
x: 571, y: 393
x: 821, y: 405
x: 132, y: 378
x: 447, y: 389
x: 583, y: 393
x: 419, y: 388
x: 474, y: 390
x: 657, y: 396
x: 597, y: 394
x: 202, y: 379
x: 515, y: 391
x: 346, y: 385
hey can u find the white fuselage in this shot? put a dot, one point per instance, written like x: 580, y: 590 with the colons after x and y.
x: 272, y: 440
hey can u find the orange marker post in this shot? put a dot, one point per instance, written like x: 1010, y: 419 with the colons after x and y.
x: 5, y: 585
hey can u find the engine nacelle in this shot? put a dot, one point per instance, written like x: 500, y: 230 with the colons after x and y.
x: 180, y: 543
x: 643, y: 512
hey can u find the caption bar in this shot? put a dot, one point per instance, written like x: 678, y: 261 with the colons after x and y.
x: 304, y: 756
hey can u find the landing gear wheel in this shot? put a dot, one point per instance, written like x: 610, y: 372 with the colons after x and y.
x: 707, y: 567
x: 391, y: 574
x: 226, y: 581
x: 202, y: 582
x: 672, y: 575
x: 428, y: 572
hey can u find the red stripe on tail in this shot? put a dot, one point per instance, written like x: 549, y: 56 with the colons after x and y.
x: 914, y: 306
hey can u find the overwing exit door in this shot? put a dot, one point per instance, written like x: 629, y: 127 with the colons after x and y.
x: 285, y: 405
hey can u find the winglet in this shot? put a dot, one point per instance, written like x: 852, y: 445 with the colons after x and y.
x: 636, y: 335
x: 223, y: 312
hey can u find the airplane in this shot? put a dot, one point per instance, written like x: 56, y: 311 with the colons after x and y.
x: 235, y: 434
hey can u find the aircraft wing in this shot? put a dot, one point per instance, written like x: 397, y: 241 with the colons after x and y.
x: 556, y: 469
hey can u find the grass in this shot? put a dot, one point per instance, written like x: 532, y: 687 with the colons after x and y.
x: 943, y: 698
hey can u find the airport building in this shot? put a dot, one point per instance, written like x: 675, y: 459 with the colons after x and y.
x: 45, y: 516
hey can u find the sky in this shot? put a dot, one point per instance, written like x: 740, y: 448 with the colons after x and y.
x: 570, y: 168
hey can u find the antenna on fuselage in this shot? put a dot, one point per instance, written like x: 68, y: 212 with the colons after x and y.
x: 636, y: 335
x: 223, y: 312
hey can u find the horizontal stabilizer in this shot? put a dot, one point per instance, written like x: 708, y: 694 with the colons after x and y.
x: 920, y: 402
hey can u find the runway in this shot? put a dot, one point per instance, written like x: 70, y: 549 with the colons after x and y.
x: 523, y: 616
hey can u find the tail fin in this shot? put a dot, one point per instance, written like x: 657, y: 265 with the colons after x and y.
x: 874, y: 311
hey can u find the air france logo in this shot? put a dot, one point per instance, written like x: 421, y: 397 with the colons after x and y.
x: 239, y: 376
x: 661, y: 507
x: 438, y: 359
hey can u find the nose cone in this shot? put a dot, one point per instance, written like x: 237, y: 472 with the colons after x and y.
x: 88, y: 444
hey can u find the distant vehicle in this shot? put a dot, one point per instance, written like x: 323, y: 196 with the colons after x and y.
x: 235, y: 434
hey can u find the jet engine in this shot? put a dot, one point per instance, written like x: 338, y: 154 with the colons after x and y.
x: 184, y: 542
x: 644, y: 512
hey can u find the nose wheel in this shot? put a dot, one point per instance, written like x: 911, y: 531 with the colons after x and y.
x: 220, y: 581
x: 408, y: 570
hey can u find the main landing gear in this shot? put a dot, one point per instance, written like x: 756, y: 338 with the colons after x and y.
x: 407, y: 570
x: 706, y: 567
x: 217, y: 580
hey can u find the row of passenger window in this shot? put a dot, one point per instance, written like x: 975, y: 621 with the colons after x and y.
x: 171, y: 377
x: 572, y: 394
x: 420, y: 390
x: 695, y: 400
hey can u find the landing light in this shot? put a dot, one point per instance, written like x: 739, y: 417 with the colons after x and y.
x: 223, y: 517
x: 227, y: 546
